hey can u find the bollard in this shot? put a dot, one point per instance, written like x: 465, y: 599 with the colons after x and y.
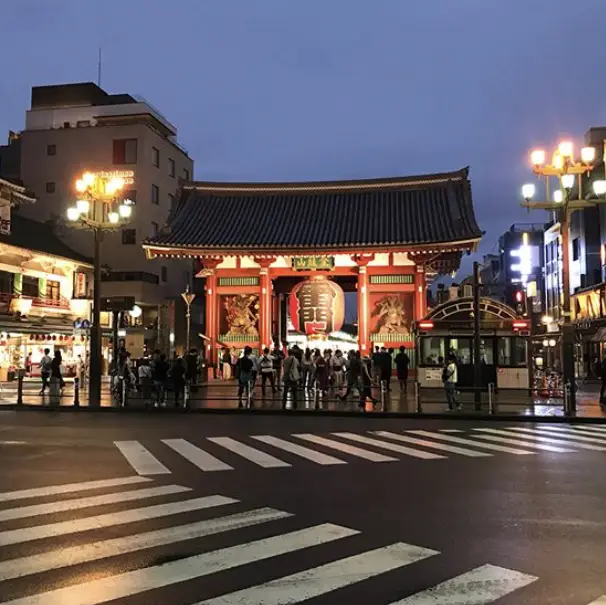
x: 123, y: 392
x: 383, y: 395
x: 418, y: 406
x: 491, y: 408
x: 566, y: 400
x: 76, y: 392
x: 20, y: 388
x: 249, y: 394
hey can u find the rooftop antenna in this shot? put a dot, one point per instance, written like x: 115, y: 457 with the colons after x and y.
x: 99, y: 69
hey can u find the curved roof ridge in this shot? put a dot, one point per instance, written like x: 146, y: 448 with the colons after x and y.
x: 326, y: 186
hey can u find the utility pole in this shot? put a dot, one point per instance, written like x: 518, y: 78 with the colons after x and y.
x: 477, y: 342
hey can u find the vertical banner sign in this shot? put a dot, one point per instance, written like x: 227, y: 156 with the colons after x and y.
x: 317, y: 306
x: 5, y: 219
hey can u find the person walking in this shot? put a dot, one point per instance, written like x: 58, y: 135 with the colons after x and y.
x: 353, y: 374
x: 449, y: 378
x: 178, y: 372
x: 402, y: 363
x: 292, y: 375
x: 45, y: 370
x: 245, y: 371
x: 160, y: 378
x: 266, y: 368
x: 56, y: 376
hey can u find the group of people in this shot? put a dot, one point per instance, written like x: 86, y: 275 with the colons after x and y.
x: 300, y: 370
x: 153, y: 377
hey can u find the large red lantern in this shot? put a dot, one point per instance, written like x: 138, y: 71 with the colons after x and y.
x: 317, y: 306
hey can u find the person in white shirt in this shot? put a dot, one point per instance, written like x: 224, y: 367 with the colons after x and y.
x: 449, y: 376
x: 266, y: 368
x: 337, y: 364
x: 45, y: 370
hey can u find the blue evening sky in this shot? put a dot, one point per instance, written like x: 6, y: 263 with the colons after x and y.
x: 332, y: 89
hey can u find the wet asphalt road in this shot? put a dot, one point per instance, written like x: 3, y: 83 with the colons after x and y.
x: 191, y: 509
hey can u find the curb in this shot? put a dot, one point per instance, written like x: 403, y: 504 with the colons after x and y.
x: 308, y: 413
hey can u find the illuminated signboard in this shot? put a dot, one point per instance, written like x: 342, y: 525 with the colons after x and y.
x: 527, y: 258
x: 128, y: 176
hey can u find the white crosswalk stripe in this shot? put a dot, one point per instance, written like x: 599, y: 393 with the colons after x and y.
x: 476, y: 442
x: 479, y: 586
x: 464, y: 441
x: 345, y: 447
x: 600, y: 601
x: 532, y: 434
x: 299, y: 450
x: 511, y: 440
x: 321, y: 580
x: 203, y: 460
x: 141, y: 459
x: 391, y: 446
x: 250, y: 453
x: 432, y: 444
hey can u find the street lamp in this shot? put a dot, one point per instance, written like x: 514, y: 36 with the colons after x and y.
x: 100, y: 207
x: 568, y: 170
x: 188, y: 297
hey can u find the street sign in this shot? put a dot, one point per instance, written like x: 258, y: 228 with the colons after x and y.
x: 116, y: 304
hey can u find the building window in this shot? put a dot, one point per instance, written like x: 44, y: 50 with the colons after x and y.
x: 186, y: 174
x: 6, y: 282
x: 154, y: 229
x: 129, y: 237
x: 130, y: 194
x: 29, y: 286
x: 155, y: 195
x: 171, y: 167
x: 50, y: 187
x: 125, y: 151
x: 155, y: 156
x: 53, y: 291
x: 164, y: 276
x: 51, y: 150
x: 576, y: 248
x: 171, y: 202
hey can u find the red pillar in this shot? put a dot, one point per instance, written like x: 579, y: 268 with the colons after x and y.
x: 212, y: 308
x: 420, y: 293
x: 363, y: 310
x: 265, y: 302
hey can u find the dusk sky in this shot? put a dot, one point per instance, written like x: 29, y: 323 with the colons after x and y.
x: 265, y: 90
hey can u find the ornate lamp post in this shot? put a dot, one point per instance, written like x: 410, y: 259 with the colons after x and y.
x: 188, y: 297
x: 568, y: 170
x: 100, y: 207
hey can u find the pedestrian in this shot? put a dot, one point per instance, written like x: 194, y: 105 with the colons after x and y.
x: 178, y: 372
x: 45, y: 370
x: 367, y: 380
x: 28, y: 365
x: 245, y: 370
x: 337, y: 366
x: 278, y: 360
x: 353, y: 374
x: 145, y: 381
x: 292, y: 375
x: 160, y: 378
x: 449, y: 378
x: 402, y: 363
x: 56, y: 376
x: 307, y: 370
x: 266, y: 367
x: 321, y: 371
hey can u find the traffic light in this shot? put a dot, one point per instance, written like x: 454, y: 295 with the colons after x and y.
x: 520, y: 299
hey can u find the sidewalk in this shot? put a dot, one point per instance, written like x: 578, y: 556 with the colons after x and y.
x: 219, y: 395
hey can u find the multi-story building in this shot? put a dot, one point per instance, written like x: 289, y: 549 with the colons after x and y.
x: 45, y: 289
x: 73, y: 128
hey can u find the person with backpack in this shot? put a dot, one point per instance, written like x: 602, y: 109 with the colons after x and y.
x: 449, y: 378
x: 266, y: 368
x: 402, y: 363
x: 45, y: 370
x: 321, y: 371
x: 292, y: 375
x: 245, y: 371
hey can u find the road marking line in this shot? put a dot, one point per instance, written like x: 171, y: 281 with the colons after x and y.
x: 250, y: 453
x: 588, y: 427
x: 576, y: 439
x: 141, y: 459
x: 14, y: 442
x: 77, y: 503
x: 585, y: 431
x: 432, y: 444
x: 67, y: 488
x: 198, y: 457
x: 574, y: 434
x: 600, y: 601
x: 317, y: 581
x: 352, y: 450
x: 524, y: 443
x: 480, y: 586
x: 531, y: 435
x: 103, y: 549
x: 451, y: 431
x: 141, y: 580
x: 463, y: 441
x: 134, y: 515
x: 391, y: 446
x: 299, y: 450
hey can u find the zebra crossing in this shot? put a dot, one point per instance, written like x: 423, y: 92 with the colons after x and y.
x: 278, y: 534
x: 223, y: 453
